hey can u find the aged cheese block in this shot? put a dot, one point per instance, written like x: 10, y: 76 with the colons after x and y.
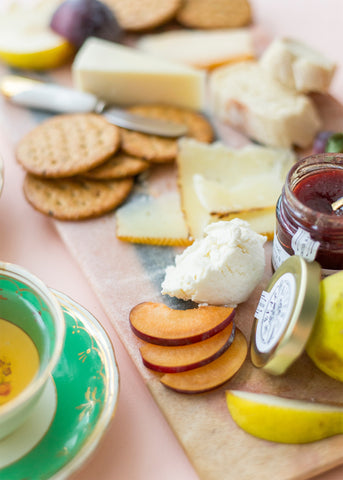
x: 126, y: 76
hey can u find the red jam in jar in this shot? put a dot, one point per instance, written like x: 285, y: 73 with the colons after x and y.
x: 307, y: 224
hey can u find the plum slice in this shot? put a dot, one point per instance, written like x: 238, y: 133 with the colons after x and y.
x: 213, y: 374
x: 185, y: 357
x: 156, y: 323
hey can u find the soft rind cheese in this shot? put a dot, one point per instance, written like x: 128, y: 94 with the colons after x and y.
x: 222, y: 268
x: 125, y: 76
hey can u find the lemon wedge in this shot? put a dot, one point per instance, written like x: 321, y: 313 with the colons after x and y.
x: 283, y: 420
x: 26, y: 40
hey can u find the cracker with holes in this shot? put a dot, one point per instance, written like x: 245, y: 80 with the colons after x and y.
x: 67, y: 145
x: 139, y: 15
x: 159, y: 149
x: 75, y: 198
x: 120, y: 165
x: 214, y: 13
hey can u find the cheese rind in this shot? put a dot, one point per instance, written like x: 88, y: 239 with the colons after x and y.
x: 125, y: 76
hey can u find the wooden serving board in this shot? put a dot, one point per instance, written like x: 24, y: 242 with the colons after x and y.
x: 124, y: 274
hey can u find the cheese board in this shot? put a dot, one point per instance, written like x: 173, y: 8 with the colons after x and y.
x: 214, y: 444
x: 124, y: 274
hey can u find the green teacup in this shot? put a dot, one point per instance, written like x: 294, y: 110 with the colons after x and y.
x: 29, y: 308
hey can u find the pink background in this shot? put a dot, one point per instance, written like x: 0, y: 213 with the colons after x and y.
x: 139, y: 444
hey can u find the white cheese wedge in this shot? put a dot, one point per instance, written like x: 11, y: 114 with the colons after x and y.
x: 249, y: 98
x: 298, y: 66
x: 153, y: 220
x: 200, y: 48
x: 126, y: 76
x: 232, y: 172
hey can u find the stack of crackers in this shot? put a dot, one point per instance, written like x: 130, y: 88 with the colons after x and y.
x: 79, y: 166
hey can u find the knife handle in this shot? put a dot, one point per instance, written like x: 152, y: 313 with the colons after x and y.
x: 49, y: 97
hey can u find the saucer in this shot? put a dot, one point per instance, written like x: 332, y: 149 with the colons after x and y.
x: 75, y: 408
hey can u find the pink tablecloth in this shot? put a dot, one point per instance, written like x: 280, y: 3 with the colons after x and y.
x: 139, y: 444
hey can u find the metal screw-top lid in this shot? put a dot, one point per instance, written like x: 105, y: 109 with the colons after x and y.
x: 285, y: 315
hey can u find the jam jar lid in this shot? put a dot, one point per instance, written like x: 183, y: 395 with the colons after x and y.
x: 285, y: 315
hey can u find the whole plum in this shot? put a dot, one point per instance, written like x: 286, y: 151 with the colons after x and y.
x: 77, y: 20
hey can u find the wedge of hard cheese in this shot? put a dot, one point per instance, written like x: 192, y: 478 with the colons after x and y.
x: 153, y: 220
x: 298, y: 66
x: 249, y: 98
x: 243, y: 183
x: 126, y: 76
x: 204, y: 49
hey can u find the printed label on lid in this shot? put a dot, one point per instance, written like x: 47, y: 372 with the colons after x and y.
x: 273, y: 312
x: 304, y: 245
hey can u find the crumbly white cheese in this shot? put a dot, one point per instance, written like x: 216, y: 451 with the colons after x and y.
x: 222, y: 268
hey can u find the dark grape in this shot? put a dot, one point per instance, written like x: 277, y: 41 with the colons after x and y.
x: 77, y: 20
x: 319, y: 144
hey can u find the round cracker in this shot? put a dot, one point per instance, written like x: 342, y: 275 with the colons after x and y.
x: 140, y: 15
x: 160, y: 149
x: 67, y: 145
x: 120, y: 165
x: 214, y: 13
x: 75, y: 198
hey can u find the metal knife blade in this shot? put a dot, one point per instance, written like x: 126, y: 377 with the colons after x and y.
x: 54, y: 98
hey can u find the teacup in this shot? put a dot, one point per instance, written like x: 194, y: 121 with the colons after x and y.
x: 32, y: 329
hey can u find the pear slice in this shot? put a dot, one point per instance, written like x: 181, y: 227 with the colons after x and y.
x: 26, y: 39
x: 153, y: 221
x: 283, y: 420
x: 223, y: 185
x: 325, y: 345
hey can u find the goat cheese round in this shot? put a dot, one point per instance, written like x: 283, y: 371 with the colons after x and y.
x: 222, y: 268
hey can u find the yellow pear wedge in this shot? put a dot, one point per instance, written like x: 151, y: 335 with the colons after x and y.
x: 325, y: 345
x: 26, y: 40
x: 283, y: 420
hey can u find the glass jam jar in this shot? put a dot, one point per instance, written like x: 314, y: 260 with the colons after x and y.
x: 306, y: 222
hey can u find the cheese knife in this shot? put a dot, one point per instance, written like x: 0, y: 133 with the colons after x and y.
x: 55, y: 98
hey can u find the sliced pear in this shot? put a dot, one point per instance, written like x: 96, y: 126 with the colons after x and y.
x: 26, y: 40
x: 153, y: 220
x: 225, y: 171
x: 283, y: 420
x: 325, y: 345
